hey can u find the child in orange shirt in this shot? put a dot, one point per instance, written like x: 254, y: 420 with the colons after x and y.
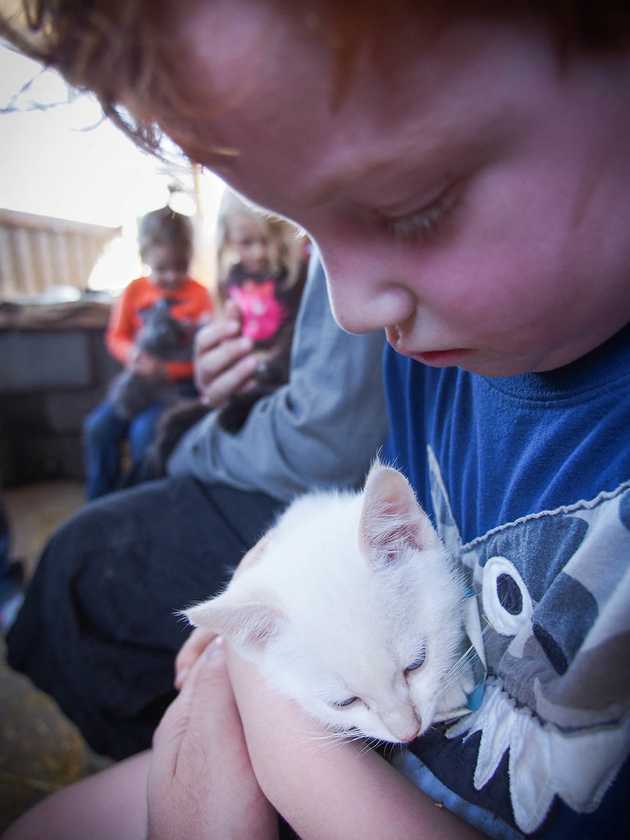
x: 150, y: 333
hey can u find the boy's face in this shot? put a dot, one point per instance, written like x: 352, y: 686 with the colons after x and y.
x: 169, y: 266
x: 250, y: 239
x: 470, y: 196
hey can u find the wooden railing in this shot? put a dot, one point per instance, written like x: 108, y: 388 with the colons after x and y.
x: 37, y: 252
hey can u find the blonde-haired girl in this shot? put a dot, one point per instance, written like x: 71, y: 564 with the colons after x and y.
x: 261, y: 269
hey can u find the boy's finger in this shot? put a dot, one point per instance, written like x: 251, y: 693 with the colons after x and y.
x: 190, y: 652
x: 206, y: 688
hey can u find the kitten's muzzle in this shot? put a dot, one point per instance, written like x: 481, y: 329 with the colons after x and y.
x: 403, y: 724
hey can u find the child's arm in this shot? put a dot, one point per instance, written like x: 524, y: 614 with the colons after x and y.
x: 329, y: 790
x: 121, y: 330
x: 200, y: 782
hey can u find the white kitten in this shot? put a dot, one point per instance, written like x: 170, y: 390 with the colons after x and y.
x: 350, y: 606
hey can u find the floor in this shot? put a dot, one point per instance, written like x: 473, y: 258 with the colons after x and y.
x: 40, y: 750
x: 35, y: 511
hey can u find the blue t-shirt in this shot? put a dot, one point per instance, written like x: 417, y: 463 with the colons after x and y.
x: 527, y: 479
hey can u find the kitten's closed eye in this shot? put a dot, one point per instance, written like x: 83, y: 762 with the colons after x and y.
x: 418, y: 662
x: 342, y: 704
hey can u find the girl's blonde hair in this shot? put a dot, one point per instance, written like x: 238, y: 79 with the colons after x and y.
x: 287, y: 241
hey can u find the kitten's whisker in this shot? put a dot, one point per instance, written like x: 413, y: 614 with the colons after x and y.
x: 452, y: 679
x: 461, y: 664
x: 366, y: 748
x: 467, y: 653
x: 370, y: 745
x: 323, y: 738
x: 341, y: 738
x: 329, y: 738
x: 459, y: 667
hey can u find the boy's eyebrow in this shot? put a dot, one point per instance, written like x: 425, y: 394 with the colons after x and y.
x: 424, y: 150
x: 330, y: 187
x: 424, y: 163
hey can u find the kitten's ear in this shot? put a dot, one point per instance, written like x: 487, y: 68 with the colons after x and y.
x: 391, y: 516
x: 248, y: 625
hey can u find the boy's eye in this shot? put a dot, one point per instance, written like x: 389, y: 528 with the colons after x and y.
x: 418, y: 662
x: 341, y: 704
x: 423, y: 223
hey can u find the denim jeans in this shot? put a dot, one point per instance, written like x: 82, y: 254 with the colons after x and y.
x: 104, y: 432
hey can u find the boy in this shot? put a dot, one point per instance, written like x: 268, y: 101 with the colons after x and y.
x: 466, y: 178
x: 151, y: 334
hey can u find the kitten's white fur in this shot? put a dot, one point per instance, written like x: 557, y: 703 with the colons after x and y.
x: 347, y: 592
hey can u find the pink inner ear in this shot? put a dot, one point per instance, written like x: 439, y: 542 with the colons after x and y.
x: 391, y: 516
x: 261, y: 627
x: 404, y: 532
x: 251, y: 624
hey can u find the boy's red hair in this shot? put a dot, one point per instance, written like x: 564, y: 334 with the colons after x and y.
x: 120, y: 48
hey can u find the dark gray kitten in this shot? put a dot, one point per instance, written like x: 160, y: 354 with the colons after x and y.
x: 167, y: 339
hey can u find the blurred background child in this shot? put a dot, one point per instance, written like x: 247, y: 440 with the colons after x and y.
x: 150, y: 332
x: 261, y: 269
x: 262, y: 265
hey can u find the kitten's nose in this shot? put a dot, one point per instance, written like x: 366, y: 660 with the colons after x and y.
x: 405, y: 726
x: 411, y: 735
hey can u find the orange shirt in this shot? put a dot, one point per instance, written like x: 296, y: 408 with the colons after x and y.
x: 193, y: 301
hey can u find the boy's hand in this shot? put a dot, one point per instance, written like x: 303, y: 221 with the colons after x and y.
x: 223, y: 361
x: 201, y: 783
x: 190, y: 652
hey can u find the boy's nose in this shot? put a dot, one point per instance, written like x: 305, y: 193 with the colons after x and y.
x: 363, y: 297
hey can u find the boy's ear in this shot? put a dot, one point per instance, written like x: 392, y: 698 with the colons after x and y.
x: 391, y: 517
x: 247, y: 624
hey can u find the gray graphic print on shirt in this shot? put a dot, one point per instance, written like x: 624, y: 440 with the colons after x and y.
x: 554, y: 596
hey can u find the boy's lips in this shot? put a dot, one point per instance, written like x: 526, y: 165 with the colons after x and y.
x: 437, y: 358
x: 441, y: 358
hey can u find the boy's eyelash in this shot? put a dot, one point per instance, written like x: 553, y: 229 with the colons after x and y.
x: 424, y: 222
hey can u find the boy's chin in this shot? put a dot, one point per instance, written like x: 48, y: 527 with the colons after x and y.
x: 485, y: 363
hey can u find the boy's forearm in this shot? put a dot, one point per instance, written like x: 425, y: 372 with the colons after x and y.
x: 329, y: 789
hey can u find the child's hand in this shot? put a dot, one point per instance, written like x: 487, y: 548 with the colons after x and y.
x: 190, y: 652
x: 201, y: 783
x: 223, y: 360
